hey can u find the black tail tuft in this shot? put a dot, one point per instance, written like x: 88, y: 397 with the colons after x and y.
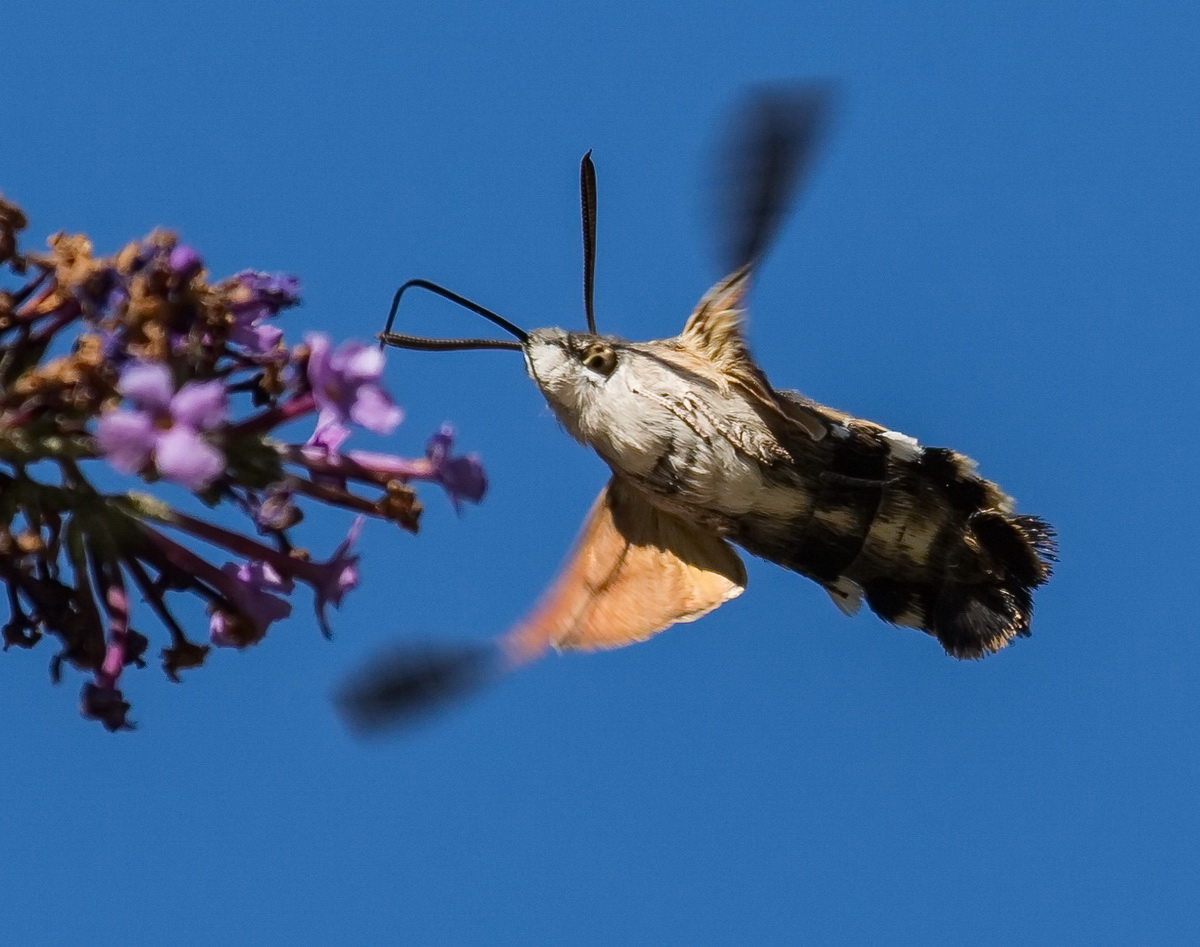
x: 974, y: 618
x: 405, y: 684
x: 1018, y: 546
x: 1041, y: 537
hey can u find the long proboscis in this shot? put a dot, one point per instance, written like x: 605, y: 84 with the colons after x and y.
x: 405, y: 341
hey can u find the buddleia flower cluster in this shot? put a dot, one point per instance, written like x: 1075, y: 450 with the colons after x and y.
x: 136, y: 366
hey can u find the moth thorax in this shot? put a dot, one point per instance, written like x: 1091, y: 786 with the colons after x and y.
x: 652, y: 420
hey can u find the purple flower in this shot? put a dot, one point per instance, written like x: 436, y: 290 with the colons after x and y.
x: 345, y: 384
x: 139, y: 360
x: 250, y: 591
x: 184, y: 262
x: 258, y: 297
x: 265, y: 294
x: 166, y: 427
x: 254, y: 336
x: 333, y: 579
x: 324, y: 447
x: 326, y: 441
x: 461, y: 477
x: 112, y: 341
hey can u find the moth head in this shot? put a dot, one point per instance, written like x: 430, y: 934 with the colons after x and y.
x: 574, y: 370
x: 620, y: 398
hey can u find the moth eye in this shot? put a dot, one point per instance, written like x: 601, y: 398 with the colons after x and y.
x: 600, y: 359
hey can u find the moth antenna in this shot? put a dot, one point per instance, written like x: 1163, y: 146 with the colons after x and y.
x: 587, y: 200
x: 774, y: 141
x: 403, y: 340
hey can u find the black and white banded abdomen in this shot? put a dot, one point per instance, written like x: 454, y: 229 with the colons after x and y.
x: 914, y: 532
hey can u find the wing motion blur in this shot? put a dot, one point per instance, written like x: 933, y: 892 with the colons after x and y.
x: 772, y: 142
x: 634, y: 571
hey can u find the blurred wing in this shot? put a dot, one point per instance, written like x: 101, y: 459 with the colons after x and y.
x: 633, y: 572
x: 406, y: 682
x: 769, y: 148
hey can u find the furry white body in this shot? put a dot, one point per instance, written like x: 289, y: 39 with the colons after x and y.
x: 693, y: 426
x: 650, y: 415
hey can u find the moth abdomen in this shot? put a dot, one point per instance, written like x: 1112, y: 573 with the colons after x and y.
x: 913, y: 531
x: 959, y: 564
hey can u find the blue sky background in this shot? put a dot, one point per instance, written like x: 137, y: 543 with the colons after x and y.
x: 997, y: 252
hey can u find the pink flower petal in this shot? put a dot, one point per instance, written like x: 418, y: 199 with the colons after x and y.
x: 256, y: 337
x: 184, y: 457
x: 327, y: 439
x: 126, y: 439
x: 333, y: 579
x: 147, y: 385
x: 374, y: 410
x: 358, y: 363
x: 201, y: 405
x: 318, y: 358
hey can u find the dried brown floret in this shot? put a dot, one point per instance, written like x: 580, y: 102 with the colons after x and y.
x: 12, y: 222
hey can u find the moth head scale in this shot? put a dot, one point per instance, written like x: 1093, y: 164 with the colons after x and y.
x: 571, y: 369
x: 612, y: 395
